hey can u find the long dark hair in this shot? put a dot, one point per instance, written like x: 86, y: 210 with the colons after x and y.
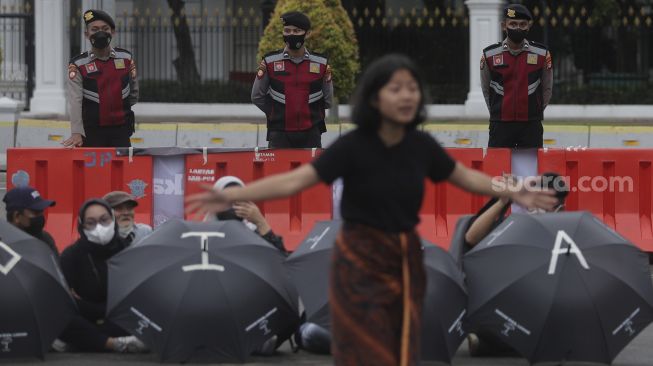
x: 376, y: 76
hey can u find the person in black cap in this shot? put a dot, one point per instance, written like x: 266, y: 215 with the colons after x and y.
x: 293, y: 87
x: 102, y: 88
x: 517, y: 81
x: 124, y: 205
x: 25, y: 208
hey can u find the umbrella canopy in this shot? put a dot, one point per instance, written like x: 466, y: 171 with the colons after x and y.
x: 211, y: 291
x: 309, y: 269
x: 36, y: 305
x: 559, y: 287
x: 445, y: 305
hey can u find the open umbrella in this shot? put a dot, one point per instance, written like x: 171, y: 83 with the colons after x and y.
x: 35, y: 305
x: 559, y: 287
x: 211, y: 291
x: 309, y: 267
x: 445, y: 305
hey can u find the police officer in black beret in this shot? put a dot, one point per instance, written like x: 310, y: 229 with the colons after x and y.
x: 293, y: 87
x: 102, y: 87
x: 517, y: 81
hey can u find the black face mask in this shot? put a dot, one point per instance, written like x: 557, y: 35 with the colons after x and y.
x: 100, y: 40
x: 517, y: 35
x: 36, y: 225
x: 294, y: 41
x: 229, y: 214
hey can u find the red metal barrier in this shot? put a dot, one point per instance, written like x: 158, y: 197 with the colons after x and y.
x: 444, y: 203
x: 71, y: 176
x: 615, y: 185
x: 292, y: 217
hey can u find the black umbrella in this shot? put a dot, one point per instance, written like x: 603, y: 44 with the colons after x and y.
x: 445, y: 305
x: 201, y: 291
x: 309, y: 268
x: 35, y: 305
x: 559, y: 287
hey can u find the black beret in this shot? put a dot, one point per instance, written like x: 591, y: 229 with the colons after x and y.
x: 298, y: 19
x: 517, y: 11
x: 93, y: 15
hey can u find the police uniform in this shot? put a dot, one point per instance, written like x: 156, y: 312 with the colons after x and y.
x: 517, y: 86
x: 101, y: 92
x: 293, y: 93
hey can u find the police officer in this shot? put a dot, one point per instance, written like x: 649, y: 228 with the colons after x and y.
x: 102, y: 88
x: 293, y: 87
x: 517, y: 80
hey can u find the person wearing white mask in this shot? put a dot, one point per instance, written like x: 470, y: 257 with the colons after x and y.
x: 124, y: 205
x: 84, y: 265
x: 247, y: 212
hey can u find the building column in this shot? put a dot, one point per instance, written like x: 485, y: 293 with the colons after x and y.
x: 484, y: 29
x: 108, y: 6
x: 52, y: 48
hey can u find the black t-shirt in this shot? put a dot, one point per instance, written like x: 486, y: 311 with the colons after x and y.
x: 383, y: 186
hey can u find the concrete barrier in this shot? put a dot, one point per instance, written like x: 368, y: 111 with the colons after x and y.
x: 154, y: 135
x: 566, y: 136
x: 459, y: 135
x: 621, y: 137
x: 216, y: 134
x: 41, y: 133
x: 331, y: 135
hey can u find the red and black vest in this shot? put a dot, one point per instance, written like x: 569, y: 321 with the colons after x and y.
x: 516, y: 92
x: 295, y: 97
x: 106, y: 88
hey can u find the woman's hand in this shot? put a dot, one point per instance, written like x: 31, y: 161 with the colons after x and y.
x: 534, y: 198
x: 210, y: 201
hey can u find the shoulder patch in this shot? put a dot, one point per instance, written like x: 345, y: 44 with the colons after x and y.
x: 132, y: 70
x: 72, y: 71
x: 260, y: 71
x: 328, y: 76
x: 483, y: 62
x: 548, y: 62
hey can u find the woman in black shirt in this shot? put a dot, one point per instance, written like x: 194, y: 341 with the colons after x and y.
x: 377, y: 276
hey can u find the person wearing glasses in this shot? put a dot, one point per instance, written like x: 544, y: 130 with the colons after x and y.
x: 517, y: 82
x: 84, y: 265
x: 293, y: 87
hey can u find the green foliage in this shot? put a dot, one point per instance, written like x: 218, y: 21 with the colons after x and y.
x: 332, y: 34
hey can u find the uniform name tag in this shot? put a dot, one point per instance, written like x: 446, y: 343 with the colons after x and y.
x: 90, y: 68
x: 279, y: 66
x: 314, y: 68
x: 498, y: 60
x: 531, y: 59
x: 119, y: 63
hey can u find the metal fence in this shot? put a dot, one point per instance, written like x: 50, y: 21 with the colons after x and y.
x: 600, y: 48
x: 17, y: 50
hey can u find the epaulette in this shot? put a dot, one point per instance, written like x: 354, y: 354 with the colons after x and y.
x: 493, y: 46
x: 539, y: 45
x: 118, y: 49
x: 275, y: 52
x: 78, y: 57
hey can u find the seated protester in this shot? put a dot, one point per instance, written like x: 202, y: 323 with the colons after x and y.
x: 486, y: 220
x: 248, y: 213
x: 25, y: 206
x: 123, y: 205
x: 84, y: 265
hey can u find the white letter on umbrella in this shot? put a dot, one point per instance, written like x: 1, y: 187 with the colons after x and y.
x: 15, y: 258
x: 571, y: 249
x: 205, y: 265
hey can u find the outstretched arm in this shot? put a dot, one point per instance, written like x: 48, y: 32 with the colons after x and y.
x: 483, y: 224
x: 275, y: 186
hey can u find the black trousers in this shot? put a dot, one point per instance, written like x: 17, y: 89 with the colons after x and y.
x: 295, y: 139
x: 113, y: 136
x: 86, y: 336
x: 513, y: 135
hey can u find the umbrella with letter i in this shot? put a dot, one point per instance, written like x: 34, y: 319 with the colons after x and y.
x: 212, y: 291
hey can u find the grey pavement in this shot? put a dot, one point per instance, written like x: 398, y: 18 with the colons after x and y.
x: 638, y: 353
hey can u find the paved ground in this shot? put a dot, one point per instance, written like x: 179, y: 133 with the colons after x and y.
x: 638, y: 353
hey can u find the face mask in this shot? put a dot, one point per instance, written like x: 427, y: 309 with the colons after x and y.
x: 294, y: 41
x: 229, y: 214
x: 100, y: 39
x: 36, y: 225
x: 101, y: 235
x: 517, y: 35
x: 123, y: 231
